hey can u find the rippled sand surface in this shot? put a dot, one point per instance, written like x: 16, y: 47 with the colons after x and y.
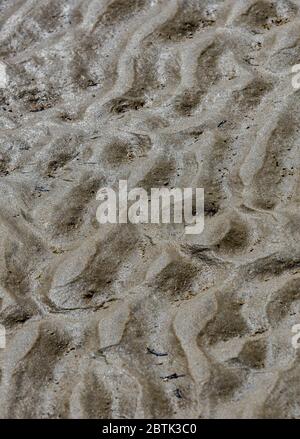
x: 143, y: 320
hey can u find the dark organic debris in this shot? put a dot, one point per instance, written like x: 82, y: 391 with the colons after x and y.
x: 178, y: 393
x: 222, y: 123
x: 173, y: 376
x: 158, y: 354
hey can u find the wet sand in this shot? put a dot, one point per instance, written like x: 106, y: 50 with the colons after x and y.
x: 144, y: 321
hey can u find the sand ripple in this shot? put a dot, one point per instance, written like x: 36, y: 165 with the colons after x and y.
x: 144, y: 321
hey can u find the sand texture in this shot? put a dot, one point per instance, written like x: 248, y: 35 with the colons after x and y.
x: 144, y: 321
